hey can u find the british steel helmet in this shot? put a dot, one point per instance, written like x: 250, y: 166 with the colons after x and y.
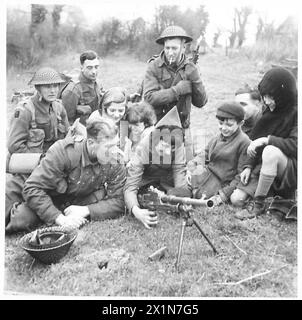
x: 172, y: 32
x: 48, y: 245
x: 46, y: 75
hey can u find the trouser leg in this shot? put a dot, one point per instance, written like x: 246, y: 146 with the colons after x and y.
x: 18, y: 216
x: 22, y: 218
x: 13, y: 192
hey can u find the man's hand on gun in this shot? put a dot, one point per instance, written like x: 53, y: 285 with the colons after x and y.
x: 183, y: 87
x: 146, y: 217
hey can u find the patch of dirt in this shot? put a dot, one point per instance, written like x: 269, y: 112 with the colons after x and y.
x: 111, y: 258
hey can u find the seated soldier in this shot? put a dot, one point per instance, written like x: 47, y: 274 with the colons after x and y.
x: 141, y: 119
x: 214, y: 173
x: 77, y: 179
x: 250, y: 100
x: 37, y: 123
x: 158, y: 161
x: 272, y: 164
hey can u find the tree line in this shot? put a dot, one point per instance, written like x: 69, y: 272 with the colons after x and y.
x: 48, y: 30
x: 31, y: 36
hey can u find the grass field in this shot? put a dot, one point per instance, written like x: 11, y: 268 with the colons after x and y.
x: 256, y: 258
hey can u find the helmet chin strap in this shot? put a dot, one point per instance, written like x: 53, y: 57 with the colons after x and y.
x: 40, y: 98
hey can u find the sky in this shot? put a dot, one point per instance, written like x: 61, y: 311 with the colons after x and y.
x: 219, y: 10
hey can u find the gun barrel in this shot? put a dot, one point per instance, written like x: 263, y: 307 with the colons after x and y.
x: 189, y: 201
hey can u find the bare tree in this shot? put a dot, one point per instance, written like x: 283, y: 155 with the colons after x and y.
x: 260, y: 27
x: 216, y: 36
x: 242, y: 16
x: 38, y: 16
x: 56, y: 17
x: 233, y: 32
x: 239, y: 25
x: 167, y: 15
x: 136, y: 29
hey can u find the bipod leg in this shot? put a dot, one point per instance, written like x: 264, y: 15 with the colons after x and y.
x: 180, y: 243
x: 204, y: 235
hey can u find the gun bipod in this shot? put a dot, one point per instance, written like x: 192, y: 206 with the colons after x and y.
x: 188, y: 220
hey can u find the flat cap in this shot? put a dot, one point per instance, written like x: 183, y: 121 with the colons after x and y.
x: 231, y: 110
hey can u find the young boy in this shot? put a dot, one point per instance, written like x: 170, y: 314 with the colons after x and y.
x: 215, y: 174
x: 159, y: 160
x: 250, y: 100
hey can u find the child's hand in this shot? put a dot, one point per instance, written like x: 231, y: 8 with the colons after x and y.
x: 245, y: 175
x: 252, y: 148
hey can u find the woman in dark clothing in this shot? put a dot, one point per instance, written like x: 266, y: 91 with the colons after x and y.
x: 272, y: 161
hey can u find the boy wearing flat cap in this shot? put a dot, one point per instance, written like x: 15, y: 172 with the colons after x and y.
x: 215, y: 172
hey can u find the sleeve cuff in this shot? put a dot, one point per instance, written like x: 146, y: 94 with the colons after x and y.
x: 175, y: 93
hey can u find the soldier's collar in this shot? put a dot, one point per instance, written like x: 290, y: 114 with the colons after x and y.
x: 83, y: 79
x: 40, y: 102
x: 85, y: 157
x: 162, y: 60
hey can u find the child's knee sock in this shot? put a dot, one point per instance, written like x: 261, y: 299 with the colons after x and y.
x: 264, y: 184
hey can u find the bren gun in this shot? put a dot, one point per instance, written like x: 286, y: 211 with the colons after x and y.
x: 155, y: 199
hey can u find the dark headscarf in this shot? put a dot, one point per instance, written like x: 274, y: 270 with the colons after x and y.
x: 281, y: 85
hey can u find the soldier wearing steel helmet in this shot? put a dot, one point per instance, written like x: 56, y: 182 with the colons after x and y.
x: 40, y: 120
x: 172, y: 79
x: 37, y: 123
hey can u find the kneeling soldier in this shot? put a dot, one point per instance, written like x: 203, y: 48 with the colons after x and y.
x: 78, y: 178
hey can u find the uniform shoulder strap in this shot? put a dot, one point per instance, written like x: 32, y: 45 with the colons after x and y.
x: 58, y: 109
x: 28, y: 105
x: 70, y: 82
x: 155, y: 56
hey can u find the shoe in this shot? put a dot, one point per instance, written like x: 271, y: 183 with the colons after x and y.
x: 253, y: 209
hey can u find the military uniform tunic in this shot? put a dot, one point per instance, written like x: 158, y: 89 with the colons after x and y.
x: 67, y: 176
x: 51, y: 119
x: 158, y: 88
x: 82, y: 92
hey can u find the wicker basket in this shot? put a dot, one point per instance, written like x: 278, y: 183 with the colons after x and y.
x: 51, y: 252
